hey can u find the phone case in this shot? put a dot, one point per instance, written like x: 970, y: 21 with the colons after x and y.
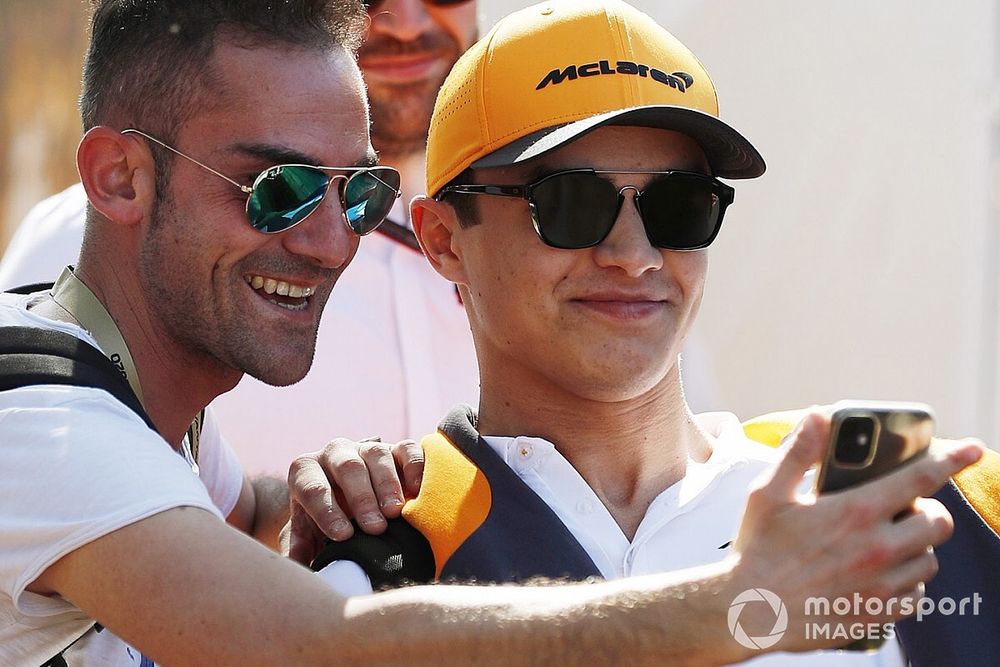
x: 903, y: 432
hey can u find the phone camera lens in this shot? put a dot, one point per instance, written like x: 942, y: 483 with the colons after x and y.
x: 854, y: 442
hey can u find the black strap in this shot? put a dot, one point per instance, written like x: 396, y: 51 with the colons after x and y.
x: 31, y: 356
x: 399, y: 556
x: 30, y: 289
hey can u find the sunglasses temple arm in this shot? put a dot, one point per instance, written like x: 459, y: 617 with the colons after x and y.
x: 244, y: 188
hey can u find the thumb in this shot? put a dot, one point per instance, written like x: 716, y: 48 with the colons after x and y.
x: 803, y: 448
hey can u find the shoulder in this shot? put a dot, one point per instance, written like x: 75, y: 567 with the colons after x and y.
x: 733, y: 442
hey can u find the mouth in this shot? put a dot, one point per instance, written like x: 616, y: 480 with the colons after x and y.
x: 401, y: 68
x: 622, y: 306
x: 282, y: 293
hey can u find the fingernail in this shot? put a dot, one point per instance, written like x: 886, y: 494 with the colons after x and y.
x: 394, y: 501
x: 340, y: 526
x: 370, y: 518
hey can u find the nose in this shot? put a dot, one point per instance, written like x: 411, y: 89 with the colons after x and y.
x: 627, y: 247
x: 324, y: 237
x: 404, y: 20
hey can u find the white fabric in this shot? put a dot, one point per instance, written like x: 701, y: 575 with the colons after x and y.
x: 394, y: 350
x: 685, y: 526
x: 77, y: 465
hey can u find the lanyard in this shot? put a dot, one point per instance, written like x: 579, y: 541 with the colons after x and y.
x: 77, y: 299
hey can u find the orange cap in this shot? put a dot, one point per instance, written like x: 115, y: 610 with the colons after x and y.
x: 546, y: 75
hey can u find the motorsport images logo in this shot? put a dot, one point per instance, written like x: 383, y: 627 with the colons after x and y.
x: 780, y: 618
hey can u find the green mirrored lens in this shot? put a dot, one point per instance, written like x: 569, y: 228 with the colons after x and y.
x: 368, y: 198
x: 574, y: 210
x: 284, y: 195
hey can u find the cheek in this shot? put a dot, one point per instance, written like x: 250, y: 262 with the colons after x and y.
x: 689, y: 270
x: 460, y: 23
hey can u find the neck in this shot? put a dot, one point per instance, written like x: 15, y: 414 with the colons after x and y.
x: 176, y: 382
x: 628, y: 451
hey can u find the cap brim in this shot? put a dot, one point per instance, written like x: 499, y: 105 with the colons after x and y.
x: 729, y: 153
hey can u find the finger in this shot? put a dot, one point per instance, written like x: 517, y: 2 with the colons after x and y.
x: 409, y: 457
x: 302, y: 537
x: 897, y: 491
x: 928, y: 525
x: 348, y: 471
x: 383, y: 476
x: 907, y: 580
x: 309, y: 487
x: 804, y: 447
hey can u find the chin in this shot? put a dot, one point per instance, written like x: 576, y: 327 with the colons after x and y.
x: 280, y: 371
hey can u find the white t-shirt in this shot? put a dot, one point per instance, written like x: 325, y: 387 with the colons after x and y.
x: 689, y: 524
x: 77, y: 465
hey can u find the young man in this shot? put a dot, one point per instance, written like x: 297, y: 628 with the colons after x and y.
x: 572, y: 179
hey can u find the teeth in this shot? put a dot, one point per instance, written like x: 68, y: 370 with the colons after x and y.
x: 301, y: 306
x: 280, y: 287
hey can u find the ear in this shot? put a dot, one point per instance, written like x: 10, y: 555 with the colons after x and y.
x: 118, y: 173
x: 437, y: 229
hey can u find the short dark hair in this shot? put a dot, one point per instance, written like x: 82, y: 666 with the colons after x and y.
x: 147, y: 63
x: 465, y: 206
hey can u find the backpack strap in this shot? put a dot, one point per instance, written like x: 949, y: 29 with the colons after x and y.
x: 30, y: 289
x: 32, y: 356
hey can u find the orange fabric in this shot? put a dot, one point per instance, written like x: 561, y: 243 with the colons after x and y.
x: 980, y: 484
x: 453, y: 502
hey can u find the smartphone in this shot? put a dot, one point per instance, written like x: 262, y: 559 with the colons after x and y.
x: 869, y: 439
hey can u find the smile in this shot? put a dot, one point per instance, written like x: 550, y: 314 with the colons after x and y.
x: 281, y: 293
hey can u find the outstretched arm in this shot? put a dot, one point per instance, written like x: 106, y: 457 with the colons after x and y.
x: 212, y: 595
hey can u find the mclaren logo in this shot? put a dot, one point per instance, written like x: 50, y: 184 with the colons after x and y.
x: 679, y: 80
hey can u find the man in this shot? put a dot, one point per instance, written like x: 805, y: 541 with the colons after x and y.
x: 226, y: 146
x: 571, y: 188
x: 395, y: 350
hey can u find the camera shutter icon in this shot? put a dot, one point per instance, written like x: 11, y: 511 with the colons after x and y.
x: 780, y: 618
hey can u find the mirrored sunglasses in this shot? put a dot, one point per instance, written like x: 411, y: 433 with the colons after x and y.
x: 284, y: 195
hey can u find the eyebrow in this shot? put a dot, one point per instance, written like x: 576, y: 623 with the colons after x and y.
x: 284, y: 155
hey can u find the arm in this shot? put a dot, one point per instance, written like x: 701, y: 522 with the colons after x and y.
x: 262, y: 509
x: 204, y: 582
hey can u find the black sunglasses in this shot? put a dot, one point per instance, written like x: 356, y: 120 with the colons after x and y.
x: 574, y: 209
x: 284, y: 195
x: 437, y: 3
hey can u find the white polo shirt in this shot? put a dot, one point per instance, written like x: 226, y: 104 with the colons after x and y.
x: 691, y: 523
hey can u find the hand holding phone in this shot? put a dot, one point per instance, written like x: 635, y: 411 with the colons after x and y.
x: 869, y: 439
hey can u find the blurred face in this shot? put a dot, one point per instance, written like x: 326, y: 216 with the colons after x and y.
x: 241, y: 298
x: 604, y: 323
x: 410, y: 48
